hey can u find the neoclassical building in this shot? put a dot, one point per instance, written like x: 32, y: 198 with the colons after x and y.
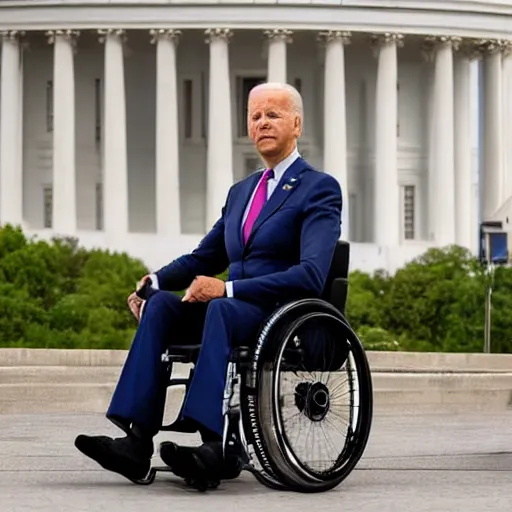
x: 123, y: 123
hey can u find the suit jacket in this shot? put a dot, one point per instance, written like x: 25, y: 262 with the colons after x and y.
x: 289, y: 251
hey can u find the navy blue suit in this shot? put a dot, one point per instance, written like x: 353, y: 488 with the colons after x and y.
x: 287, y: 257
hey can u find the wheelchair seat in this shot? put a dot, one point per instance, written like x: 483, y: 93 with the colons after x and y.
x: 188, y: 354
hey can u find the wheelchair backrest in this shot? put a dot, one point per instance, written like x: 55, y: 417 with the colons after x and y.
x: 336, y: 287
x: 340, y: 261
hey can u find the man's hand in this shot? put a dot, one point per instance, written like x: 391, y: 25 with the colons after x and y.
x: 204, y: 289
x: 134, y: 302
x: 140, y: 284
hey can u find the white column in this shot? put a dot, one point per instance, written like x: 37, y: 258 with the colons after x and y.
x: 277, y: 64
x: 11, y: 149
x: 115, y: 172
x: 219, y: 173
x: 475, y: 91
x: 64, y: 219
x: 493, y: 130
x: 386, y: 226
x: 335, y: 124
x: 443, y: 133
x: 507, y: 117
x: 428, y: 178
x: 168, y: 216
x: 462, y: 130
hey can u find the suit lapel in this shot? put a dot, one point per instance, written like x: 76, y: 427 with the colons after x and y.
x: 284, y: 189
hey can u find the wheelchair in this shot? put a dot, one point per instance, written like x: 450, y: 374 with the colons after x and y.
x: 309, y: 342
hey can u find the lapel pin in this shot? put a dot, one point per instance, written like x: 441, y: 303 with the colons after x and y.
x: 292, y: 182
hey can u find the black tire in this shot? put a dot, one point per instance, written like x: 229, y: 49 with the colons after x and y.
x: 268, y: 481
x: 261, y: 410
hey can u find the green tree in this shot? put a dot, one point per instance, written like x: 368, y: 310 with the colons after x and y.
x: 437, y: 300
x: 56, y: 294
x: 501, y: 317
x: 364, y: 299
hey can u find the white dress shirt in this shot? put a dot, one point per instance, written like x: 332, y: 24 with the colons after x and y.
x: 279, y: 170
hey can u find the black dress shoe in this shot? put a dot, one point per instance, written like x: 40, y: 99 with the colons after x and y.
x: 127, y: 456
x: 203, y: 462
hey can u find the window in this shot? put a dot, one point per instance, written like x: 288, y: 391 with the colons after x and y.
x: 49, y: 106
x: 187, y: 108
x: 99, y: 206
x: 244, y: 85
x: 97, y: 110
x: 47, y: 206
x: 408, y: 209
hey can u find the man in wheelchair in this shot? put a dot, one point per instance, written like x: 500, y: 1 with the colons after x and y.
x: 276, y: 235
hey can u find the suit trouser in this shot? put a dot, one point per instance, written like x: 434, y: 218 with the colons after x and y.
x: 218, y: 325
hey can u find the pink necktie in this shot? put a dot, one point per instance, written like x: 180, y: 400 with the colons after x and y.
x: 259, y: 199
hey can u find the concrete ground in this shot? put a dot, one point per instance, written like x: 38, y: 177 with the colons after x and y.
x: 413, y: 463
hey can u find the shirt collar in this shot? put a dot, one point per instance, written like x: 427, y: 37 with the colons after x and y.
x: 281, y: 167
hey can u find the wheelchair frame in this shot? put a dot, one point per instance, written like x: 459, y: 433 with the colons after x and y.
x: 242, y: 415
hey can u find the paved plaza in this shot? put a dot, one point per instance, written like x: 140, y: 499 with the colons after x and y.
x: 414, y: 463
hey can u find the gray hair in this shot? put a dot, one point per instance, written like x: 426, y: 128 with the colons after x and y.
x: 294, y: 94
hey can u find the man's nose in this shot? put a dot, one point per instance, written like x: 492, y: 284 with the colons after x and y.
x: 264, y: 122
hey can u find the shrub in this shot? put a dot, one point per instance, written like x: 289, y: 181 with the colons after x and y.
x: 56, y: 294
x: 376, y: 338
x: 364, y: 300
x: 437, y: 299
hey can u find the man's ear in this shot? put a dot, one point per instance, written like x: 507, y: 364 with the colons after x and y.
x: 298, y: 125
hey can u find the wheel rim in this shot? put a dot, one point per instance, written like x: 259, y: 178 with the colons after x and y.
x: 262, y: 414
x: 317, y: 412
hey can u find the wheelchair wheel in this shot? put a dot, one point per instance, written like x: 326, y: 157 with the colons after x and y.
x: 307, y: 398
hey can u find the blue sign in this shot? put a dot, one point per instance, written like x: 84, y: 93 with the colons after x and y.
x: 498, y: 246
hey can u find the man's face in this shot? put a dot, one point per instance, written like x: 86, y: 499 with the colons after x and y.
x: 272, y: 124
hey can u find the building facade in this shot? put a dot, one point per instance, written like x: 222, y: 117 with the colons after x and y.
x: 123, y: 123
